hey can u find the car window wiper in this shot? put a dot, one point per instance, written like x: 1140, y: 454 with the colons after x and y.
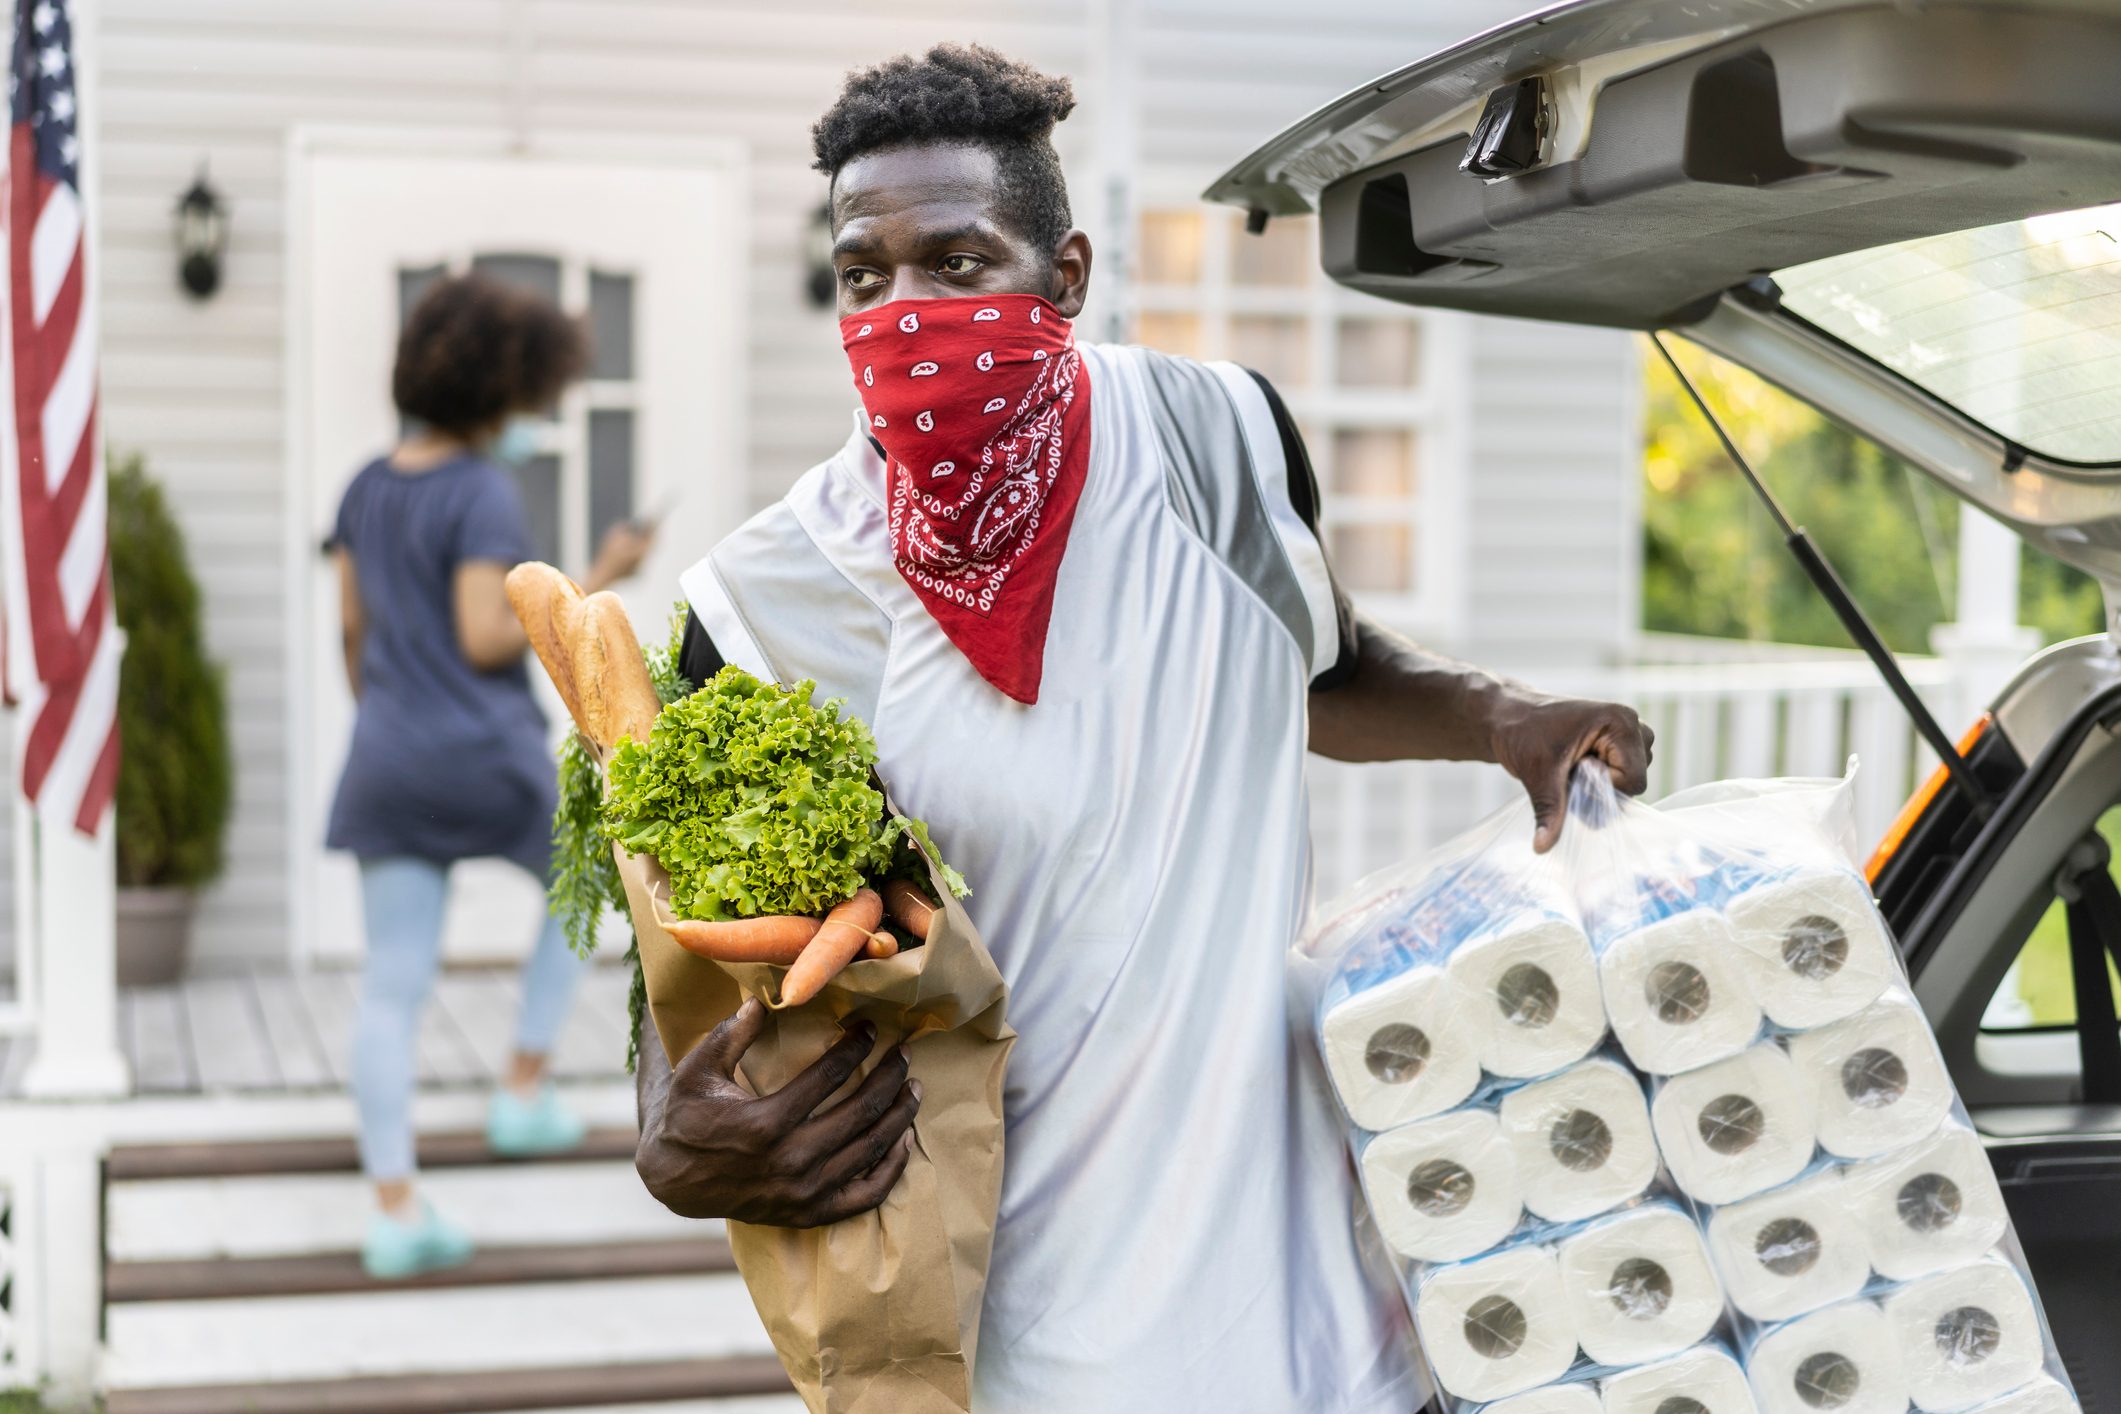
x: 1830, y: 588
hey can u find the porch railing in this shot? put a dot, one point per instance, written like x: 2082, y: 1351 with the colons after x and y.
x: 1792, y: 716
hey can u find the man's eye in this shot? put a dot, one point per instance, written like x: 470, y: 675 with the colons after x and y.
x: 959, y: 264
x: 860, y: 279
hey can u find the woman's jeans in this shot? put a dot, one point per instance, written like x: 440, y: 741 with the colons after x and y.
x: 402, y: 901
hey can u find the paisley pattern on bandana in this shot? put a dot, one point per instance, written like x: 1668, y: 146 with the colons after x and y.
x: 982, y: 407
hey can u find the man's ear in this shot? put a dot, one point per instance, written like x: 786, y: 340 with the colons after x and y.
x: 1071, y: 273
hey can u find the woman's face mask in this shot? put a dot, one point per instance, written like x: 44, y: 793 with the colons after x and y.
x: 517, y: 441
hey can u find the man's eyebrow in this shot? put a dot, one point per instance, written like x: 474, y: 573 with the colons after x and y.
x: 853, y: 243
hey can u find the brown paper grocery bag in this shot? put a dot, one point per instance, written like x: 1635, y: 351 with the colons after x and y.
x: 878, y: 1314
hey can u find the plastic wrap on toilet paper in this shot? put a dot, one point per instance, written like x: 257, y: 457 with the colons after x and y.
x: 1966, y: 1335
x: 2042, y: 1396
x: 1816, y: 948
x: 1735, y: 1128
x: 1639, y: 1285
x: 1443, y: 1189
x: 1581, y: 1140
x: 1575, y: 1397
x: 1706, y: 1378
x: 1652, y: 1124
x: 1932, y: 1205
x: 1842, y: 1358
x: 1792, y: 1249
x: 1497, y: 1326
x: 1876, y: 1079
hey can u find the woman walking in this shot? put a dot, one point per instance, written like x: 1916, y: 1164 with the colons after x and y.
x: 449, y: 758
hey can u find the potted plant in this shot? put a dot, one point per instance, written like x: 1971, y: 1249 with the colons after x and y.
x: 174, y: 782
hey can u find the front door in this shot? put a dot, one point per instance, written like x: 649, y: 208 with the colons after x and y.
x: 645, y: 252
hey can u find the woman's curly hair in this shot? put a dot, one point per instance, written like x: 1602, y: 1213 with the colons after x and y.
x: 968, y: 94
x: 474, y: 350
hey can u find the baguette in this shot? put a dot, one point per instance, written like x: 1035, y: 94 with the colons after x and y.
x: 610, y: 677
x: 548, y: 604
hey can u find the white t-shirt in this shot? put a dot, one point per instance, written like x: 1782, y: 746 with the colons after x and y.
x: 1175, y: 1229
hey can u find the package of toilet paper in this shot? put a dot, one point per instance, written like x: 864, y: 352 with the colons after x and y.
x: 1654, y: 1124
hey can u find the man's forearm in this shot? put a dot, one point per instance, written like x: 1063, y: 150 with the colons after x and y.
x: 1406, y: 703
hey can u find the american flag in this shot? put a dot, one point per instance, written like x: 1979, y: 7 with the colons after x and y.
x: 62, y: 640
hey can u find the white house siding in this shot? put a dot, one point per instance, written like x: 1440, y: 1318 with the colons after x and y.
x: 199, y: 387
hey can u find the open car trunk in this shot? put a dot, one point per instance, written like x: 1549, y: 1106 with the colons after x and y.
x: 1911, y: 218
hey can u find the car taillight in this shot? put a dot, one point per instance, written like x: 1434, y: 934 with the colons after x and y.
x: 1896, y: 833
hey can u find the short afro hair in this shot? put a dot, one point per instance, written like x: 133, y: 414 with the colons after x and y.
x: 474, y: 350
x: 965, y: 94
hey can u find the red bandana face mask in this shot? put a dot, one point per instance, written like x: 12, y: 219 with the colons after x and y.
x: 982, y: 406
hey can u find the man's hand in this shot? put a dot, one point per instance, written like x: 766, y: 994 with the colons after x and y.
x: 1539, y: 740
x: 710, y: 1149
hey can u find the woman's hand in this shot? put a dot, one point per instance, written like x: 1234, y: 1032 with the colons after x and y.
x: 710, y: 1149
x: 623, y: 548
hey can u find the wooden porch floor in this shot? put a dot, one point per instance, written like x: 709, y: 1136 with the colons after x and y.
x: 279, y: 1032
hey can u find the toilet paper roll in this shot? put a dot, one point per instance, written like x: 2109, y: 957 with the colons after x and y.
x: 1966, y: 1335
x: 1792, y: 1249
x: 1677, y: 994
x: 1582, y: 1140
x: 1539, y: 985
x: 1875, y: 1078
x: 1735, y: 1128
x: 1403, y: 1050
x: 1498, y: 1326
x: 2042, y: 1396
x: 1704, y: 1380
x: 1842, y: 1359
x: 1930, y: 1206
x: 1639, y: 1286
x: 1817, y: 949
x: 1442, y: 1189
x: 1578, y: 1398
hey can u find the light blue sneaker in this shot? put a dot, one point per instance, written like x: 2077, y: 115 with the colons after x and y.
x: 521, y: 1129
x: 396, y: 1249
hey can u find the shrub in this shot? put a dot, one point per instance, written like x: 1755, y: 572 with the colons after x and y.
x: 174, y: 783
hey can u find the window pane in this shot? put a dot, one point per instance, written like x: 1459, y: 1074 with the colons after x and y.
x: 610, y: 469
x: 2040, y: 989
x: 1277, y: 346
x: 1170, y: 247
x: 414, y: 283
x: 1378, y: 559
x: 539, y: 481
x: 1168, y: 332
x: 2018, y: 325
x: 1374, y: 461
x: 1280, y: 255
x: 610, y: 325
x: 540, y: 274
x: 1379, y: 353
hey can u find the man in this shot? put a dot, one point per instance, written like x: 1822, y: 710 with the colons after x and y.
x: 1080, y: 594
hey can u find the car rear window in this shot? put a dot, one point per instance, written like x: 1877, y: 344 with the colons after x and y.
x: 2017, y: 325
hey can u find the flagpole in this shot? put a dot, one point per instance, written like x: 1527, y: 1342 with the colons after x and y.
x: 76, y: 907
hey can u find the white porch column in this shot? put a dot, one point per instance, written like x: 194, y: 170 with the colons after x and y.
x: 64, y: 1230
x: 75, y: 935
x: 1987, y: 643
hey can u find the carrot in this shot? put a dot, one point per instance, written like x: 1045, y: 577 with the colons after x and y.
x: 910, y: 908
x: 880, y: 945
x: 776, y: 938
x: 839, y: 941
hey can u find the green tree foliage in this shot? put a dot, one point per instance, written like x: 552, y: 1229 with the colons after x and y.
x: 174, y: 782
x: 1714, y: 564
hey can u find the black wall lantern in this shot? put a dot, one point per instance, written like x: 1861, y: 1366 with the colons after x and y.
x: 820, y: 280
x: 202, y: 236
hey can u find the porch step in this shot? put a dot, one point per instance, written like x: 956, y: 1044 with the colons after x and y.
x: 140, y: 1162
x: 286, y: 1215
x: 328, y: 1273
x: 487, y: 1391
x: 527, y: 1327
